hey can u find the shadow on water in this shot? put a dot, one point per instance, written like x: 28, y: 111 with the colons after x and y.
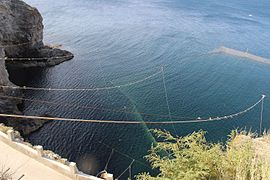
x: 26, y: 76
x: 131, y: 38
x: 88, y: 144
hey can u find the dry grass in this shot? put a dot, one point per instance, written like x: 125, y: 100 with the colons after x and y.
x: 5, y: 173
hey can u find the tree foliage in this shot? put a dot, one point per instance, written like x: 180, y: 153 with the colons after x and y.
x: 193, y: 158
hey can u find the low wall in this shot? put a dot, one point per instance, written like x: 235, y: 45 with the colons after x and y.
x: 64, y: 167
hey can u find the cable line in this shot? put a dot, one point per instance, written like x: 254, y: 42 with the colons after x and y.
x: 106, y: 166
x: 126, y: 169
x: 125, y: 155
x: 25, y: 117
x: 36, y: 58
x: 166, y: 98
x: 84, y: 89
x: 89, y: 107
x: 14, y: 45
x: 261, y: 121
x: 103, y: 77
x: 130, y: 172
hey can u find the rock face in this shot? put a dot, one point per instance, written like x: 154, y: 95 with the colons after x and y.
x: 21, y: 36
x: 3, y: 72
x: 21, y: 46
x: 10, y: 105
x: 6, y: 105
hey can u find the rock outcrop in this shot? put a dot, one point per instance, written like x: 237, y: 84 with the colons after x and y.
x: 21, y: 36
x: 3, y: 72
x: 21, y: 46
x: 6, y: 105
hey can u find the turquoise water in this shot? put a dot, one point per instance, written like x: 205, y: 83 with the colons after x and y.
x: 117, y: 42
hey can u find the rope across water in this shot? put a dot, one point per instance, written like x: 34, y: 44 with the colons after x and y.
x: 35, y: 58
x: 167, y: 98
x: 69, y: 104
x: 82, y: 89
x: 231, y: 116
x: 15, y: 45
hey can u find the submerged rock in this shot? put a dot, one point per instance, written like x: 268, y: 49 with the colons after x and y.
x: 21, y: 36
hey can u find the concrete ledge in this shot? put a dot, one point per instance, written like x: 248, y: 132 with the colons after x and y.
x: 68, y: 169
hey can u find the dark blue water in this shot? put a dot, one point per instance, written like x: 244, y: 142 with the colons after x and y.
x: 117, y: 42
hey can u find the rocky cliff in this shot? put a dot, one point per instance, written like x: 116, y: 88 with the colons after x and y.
x: 21, y: 45
x: 5, y: 104
x: 21, y: 36
x: 25, y: 126
x: 3, y: 72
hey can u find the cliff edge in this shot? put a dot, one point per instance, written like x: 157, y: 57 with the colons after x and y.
x: 21, y: 46
x: 21, y: 36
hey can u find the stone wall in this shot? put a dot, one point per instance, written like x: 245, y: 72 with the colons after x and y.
x: 47, y: 158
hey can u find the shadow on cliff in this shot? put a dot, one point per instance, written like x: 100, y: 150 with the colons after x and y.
x: 23, y: 77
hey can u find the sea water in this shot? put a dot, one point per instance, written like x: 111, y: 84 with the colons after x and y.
x: 121, y: 41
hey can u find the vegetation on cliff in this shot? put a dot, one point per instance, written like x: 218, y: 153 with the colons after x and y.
x: 192, y: 157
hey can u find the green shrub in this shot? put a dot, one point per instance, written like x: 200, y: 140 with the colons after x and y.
x: 193, y: 158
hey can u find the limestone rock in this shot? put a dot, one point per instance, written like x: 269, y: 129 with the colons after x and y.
x: 3, y: 72
x: 6, y: 105
x: 21, y: 45
x: 21, y: 35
